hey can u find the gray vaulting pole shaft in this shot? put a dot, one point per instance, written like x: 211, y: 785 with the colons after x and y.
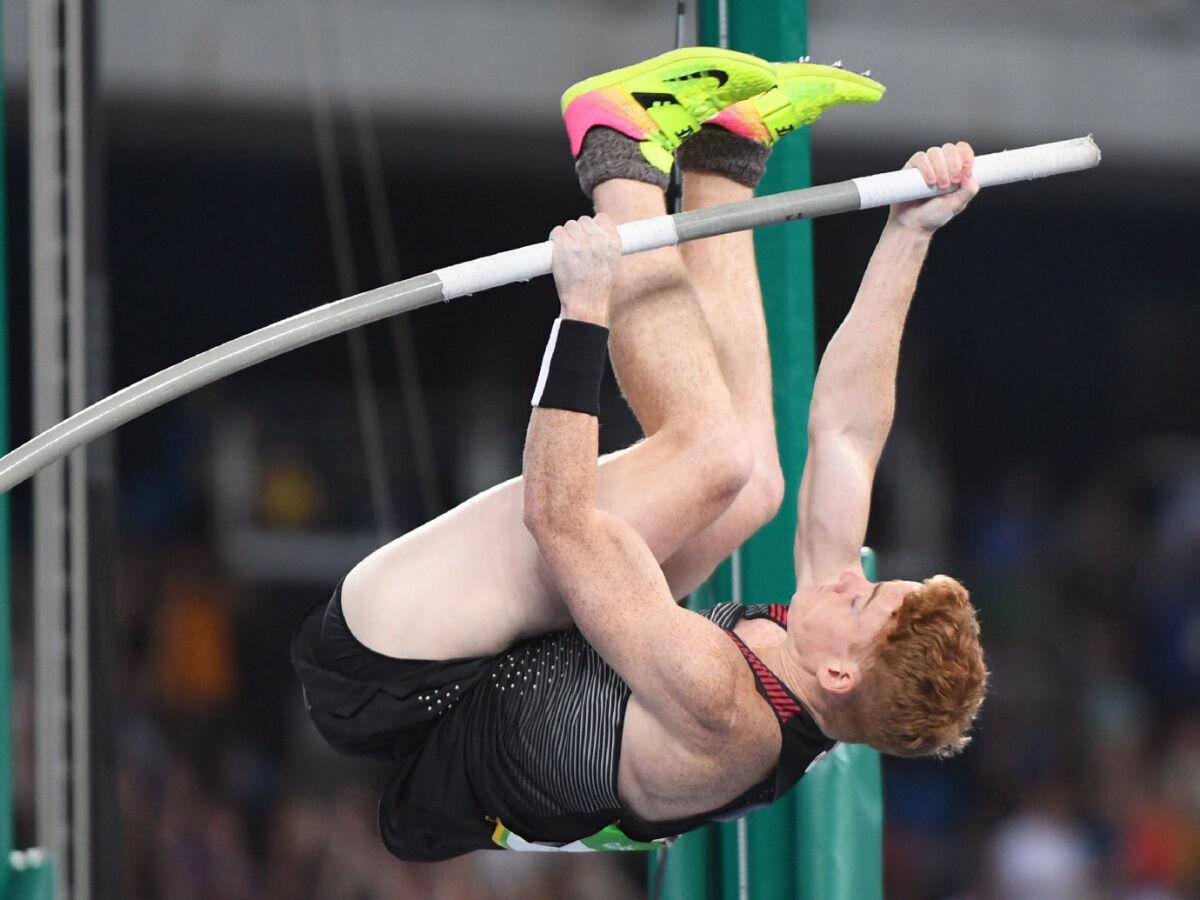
x: 504, y: 268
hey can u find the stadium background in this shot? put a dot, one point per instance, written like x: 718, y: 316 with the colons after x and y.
x: 1047, y: 448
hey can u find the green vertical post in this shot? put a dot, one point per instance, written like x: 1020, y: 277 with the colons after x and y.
x: 824, y: 841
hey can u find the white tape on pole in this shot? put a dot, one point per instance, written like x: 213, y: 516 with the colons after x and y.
x: 1044, y: 160
x: 990, y: 169
x: 648, y: 234
x: 488, y: 272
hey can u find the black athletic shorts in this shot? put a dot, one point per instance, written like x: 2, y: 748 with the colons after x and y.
x: 365, y: 703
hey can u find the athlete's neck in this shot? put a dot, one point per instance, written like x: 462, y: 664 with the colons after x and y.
x: 782, y: 658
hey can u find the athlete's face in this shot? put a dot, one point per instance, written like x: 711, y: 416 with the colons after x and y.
x: 838, y: 621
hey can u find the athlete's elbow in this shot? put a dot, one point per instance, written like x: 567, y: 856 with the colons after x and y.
x: 720, y: 714
x: 830, y: 416
x: 539, y: 513
x: 839, y: 416
x: 866, y: 433
x: 551, y: 515
x: 714, y: 700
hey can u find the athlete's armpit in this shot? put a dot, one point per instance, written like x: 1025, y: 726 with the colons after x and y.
x: 833, y: 507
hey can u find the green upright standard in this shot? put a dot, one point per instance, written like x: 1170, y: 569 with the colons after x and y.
x: 824, y: 841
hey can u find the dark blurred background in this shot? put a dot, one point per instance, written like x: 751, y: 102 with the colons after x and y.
x: 1047, y: 448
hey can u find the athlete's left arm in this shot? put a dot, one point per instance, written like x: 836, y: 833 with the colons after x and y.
x: 854, y: 397
x: 679, y: 665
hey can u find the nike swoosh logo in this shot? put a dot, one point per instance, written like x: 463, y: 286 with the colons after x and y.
x: 721, y: 77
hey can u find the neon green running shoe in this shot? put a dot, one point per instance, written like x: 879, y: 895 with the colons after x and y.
x: 664, y: 100
x: 802, y: 91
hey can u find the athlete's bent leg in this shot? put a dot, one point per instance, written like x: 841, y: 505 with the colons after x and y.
x: 695, y: 458
x: 725, y: 276
x: 722, y: 165
x: 471, y: 582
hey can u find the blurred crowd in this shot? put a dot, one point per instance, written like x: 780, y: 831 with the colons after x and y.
x: 1084, y: 777
x: 1049, y: 455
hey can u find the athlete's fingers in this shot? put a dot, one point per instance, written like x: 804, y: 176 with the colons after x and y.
x: 605, y: 221
x: 574, y: 230
x: 603, y: 232
x: 937, y: 159
x: 969, y: 187
x: 967, y: 152
x: 920, y: 162
x: 589, y: 226
x: 953, y: 162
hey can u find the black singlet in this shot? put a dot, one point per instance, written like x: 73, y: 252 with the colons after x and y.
x: 535, y: 744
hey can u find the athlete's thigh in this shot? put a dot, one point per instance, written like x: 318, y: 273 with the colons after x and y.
x: 468, y: 583
x: 471, y: 582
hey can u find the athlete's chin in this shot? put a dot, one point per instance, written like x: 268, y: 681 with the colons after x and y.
x: 806, y: 596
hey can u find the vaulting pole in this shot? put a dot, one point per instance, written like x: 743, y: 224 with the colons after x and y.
x: 504, y: 268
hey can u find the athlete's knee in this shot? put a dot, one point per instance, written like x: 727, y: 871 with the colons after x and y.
x: 723, y: 461
x: 763, y: 493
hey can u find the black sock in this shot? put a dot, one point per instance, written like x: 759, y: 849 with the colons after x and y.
x: 715, y: 149
x: 607, y: 153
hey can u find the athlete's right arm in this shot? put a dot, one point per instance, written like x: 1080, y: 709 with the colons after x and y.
x: 677, y: 663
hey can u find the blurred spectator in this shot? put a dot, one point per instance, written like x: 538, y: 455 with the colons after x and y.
x: 291, y: 495
x: 201, y: 843
x: 1171, y: 588
x: 1159, y: 846
x: 193, y: 650
x: 1041, y: 853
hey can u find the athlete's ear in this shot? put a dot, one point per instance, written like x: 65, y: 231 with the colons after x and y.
x: 838, y: 677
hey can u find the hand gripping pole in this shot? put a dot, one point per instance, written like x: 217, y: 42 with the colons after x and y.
x: 504, y: 268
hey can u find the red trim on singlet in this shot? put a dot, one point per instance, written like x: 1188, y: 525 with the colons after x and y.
x: 780, y: 698
x: 778, y: 613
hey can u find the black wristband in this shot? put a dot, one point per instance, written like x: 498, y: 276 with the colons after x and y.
x: 572, y: 367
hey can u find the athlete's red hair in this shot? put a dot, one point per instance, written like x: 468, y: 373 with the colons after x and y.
x: 923, y: 676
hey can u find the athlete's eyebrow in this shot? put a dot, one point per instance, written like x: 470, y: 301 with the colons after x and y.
x: 872, y: 597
